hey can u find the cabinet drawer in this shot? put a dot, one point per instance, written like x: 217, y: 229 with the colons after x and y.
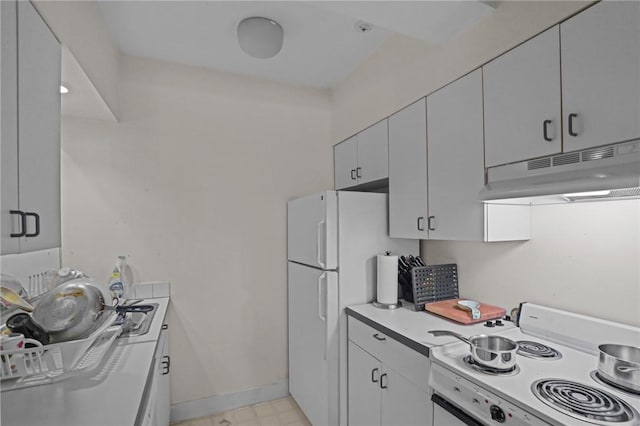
x: 410, y: 364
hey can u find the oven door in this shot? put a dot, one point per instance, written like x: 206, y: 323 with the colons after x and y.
x: 445, y: 413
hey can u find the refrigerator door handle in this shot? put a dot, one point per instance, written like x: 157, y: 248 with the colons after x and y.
x: 320, y: 234
x: 323, y: 316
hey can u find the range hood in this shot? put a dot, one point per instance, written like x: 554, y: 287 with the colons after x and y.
x: 607, y: 172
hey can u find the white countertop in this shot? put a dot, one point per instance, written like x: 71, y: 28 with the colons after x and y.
x: 415, y: 326
x: 110, y: 396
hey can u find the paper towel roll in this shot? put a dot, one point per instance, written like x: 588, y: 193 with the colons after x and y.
x: 387, y: 279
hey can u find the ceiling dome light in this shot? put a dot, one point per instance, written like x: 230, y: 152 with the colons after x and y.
x: 64, y: 89
x: 260, y: 37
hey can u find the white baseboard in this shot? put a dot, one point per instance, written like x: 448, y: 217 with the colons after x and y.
x: 219, y: 403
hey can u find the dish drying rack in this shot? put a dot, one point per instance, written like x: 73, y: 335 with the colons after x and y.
x: 55, y: 362
x: 433, y: 283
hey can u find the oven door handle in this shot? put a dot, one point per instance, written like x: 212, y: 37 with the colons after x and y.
x: 455, y: 411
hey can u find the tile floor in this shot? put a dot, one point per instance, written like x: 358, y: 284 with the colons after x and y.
x: 279, y: 412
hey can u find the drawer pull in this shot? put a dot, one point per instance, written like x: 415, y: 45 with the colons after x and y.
x: 166, y: 364
x: 379, y: 337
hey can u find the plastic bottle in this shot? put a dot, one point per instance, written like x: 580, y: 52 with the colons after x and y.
x: 121, y: 280
x: 116, y: 287
x: 126, y: 275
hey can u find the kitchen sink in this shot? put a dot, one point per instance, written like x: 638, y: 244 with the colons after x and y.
x: 136, y: 323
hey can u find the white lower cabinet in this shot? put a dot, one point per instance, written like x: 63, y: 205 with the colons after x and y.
x: 157, y: 405
x: 379, y: 394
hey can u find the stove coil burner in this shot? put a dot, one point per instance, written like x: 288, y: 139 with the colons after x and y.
x: 472, y: 363
x: 598, y: 378
x: 583, y: 402
x: 537, y: 350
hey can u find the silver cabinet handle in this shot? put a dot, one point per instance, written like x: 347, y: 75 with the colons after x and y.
x: 353, y: 174
x: 379, y: 338
x: 430, y: 221
x: 420, y: 223
x: 358, y: 170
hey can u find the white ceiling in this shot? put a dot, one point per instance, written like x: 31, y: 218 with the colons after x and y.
x: 321, y: 44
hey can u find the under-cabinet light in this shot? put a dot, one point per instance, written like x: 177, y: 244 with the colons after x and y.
x: 588, y: 194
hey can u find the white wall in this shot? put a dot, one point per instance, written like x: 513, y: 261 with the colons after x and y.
x: 584, y: 258
x: 192, y: 183
x: 81, y: 28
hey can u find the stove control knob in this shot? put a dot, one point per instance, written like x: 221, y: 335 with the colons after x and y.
x: 499, y: 323
x: 489, y: 324
x: 497, y: 414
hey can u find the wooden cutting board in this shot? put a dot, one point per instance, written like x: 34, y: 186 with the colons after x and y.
x: 449, y: 309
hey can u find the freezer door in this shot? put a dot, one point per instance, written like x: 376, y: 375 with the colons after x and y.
x: 312, y: 230
x: 313, y: 342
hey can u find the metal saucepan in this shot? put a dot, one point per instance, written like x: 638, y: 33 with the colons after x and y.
x: 75, y: 309
x: 490, y: 351
x: 620, y: 364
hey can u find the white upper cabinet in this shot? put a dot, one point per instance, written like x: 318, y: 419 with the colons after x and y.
x: 600, y: 75
x: 522, y: 101
x: 362, y: 159
x: 345, y: 161
x: 408, y: 202
x: 456, y: 169
x: 373, y: 153
x: 38, y: 128
x: 33, y: 131
x: 9, y: 136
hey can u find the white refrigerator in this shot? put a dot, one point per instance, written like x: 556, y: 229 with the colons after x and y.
x: 333, y: 239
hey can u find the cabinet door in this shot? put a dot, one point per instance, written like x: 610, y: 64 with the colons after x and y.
x: 522, y: 101
x: 345, y: 161
x: 402, y: 402
x: 163, y: 396
x: 600, y: 69
x: 364, y: 388
x: 455, y: 171
x: 9, y: 119
x: 373, y: 153
x: 38, y: 128
x: 408, y: 202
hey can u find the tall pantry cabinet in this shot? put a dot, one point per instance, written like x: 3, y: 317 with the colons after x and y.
x: 30, y: 87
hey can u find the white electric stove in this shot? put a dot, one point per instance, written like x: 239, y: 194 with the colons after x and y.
x: 558, y: 387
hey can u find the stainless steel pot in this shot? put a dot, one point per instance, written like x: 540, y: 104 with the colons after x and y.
x: 76, y: 309
x: 490, y: 351
x: 620, y: 364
